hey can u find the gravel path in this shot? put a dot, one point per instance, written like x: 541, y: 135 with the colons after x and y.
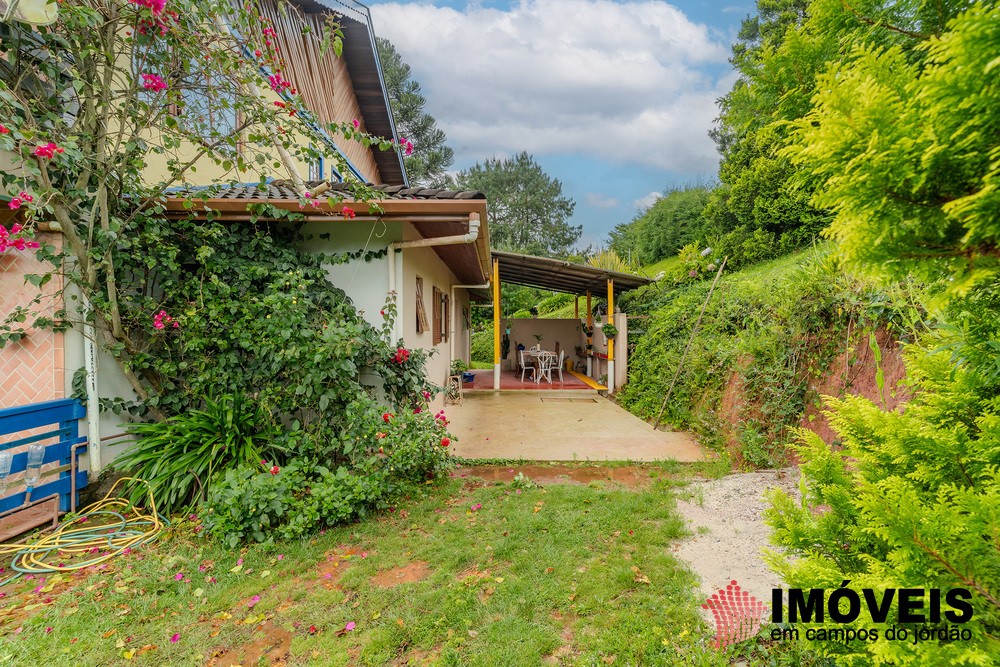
x: 732, y: 509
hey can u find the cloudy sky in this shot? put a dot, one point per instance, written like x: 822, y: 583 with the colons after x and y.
x: 615, y: 99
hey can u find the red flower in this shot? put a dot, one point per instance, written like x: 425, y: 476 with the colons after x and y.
x: 3, y: 129
x: 47, y: 150
x: 274, y: 470
x: 348, y: 213
x: 386, y: 417
x: 445, y: 442
x: 313, y: 630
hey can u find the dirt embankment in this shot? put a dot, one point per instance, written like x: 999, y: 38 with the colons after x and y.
x: 852, y: 371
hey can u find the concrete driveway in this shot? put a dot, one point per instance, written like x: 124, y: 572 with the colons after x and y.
x: 559, y: 426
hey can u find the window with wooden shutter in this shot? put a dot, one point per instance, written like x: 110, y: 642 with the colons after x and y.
x: 421, y: 311
x: 436, y: 304
x: 446, y: 315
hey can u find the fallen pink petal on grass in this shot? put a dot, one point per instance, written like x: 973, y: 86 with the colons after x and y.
x: 350, y: 626
x: 176, y: 638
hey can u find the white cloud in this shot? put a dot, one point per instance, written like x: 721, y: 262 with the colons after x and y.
x: 628, y: 82
x: 597, y: 200
x: 644, y: 203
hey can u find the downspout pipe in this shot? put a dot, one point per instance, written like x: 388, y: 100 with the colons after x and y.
x: 396, y: 272
x: 93, y: 397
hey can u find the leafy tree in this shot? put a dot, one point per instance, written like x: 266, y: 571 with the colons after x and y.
x: 910, y: 166
x: 904, y: 142
x: 431, y: 158
x: 528, y: 211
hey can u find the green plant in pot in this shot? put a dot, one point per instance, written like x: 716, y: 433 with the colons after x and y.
x: 610, y: 331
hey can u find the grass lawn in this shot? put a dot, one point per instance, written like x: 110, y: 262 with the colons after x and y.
x: 470, y: 573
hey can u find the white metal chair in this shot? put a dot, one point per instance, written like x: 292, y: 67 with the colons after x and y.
x: 560, y: 364
x: 525, y: 367
x: 546, y: 362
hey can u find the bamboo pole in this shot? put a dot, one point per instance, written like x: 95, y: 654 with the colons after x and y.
x: 687, y: 347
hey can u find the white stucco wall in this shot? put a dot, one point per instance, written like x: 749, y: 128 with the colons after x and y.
x: 425, y: 263
x: 367, y: 283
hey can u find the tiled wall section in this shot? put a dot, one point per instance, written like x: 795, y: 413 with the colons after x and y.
x: 32, y: 369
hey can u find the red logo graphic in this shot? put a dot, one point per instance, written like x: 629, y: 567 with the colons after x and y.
x: 737, y: 614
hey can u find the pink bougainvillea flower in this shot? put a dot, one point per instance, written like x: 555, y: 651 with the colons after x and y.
x: 161, y: 320
x: 153, y: 82
x: 476, y: 507
x: 253, y: 601
x: 239, y: 561
x: 175, y: 638
x: 48, y: 150
x: 348, y: 213
x: 179, y: 576
x: 155, y: 6
x: 350, y: 626
x: 14, y: 204
x: 328, y: 575
x: 24, y: 196
x: 356, y: 123
x: 48, y: 630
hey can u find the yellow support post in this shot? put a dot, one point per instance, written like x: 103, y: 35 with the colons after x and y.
x: 611, y: 341
x: 590, y: 338
x: 496, y: 324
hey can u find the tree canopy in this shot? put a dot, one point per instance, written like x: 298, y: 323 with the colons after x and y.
x: 527, y: 208
x: 429, y: 162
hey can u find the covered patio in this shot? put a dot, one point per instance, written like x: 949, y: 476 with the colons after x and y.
x: 596, y: 362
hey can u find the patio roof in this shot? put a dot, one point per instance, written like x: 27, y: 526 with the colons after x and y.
x: 561, y: 276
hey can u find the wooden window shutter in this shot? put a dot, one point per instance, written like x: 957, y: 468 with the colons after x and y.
x: 421, y: 311
x: 447, y: 315
x: 437, y: 315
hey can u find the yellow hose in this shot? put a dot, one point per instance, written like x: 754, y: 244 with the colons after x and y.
x: 128, y: 528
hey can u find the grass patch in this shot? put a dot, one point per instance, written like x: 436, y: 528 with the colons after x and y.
x: 567, y: 574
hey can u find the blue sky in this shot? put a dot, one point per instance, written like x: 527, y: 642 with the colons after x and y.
x: 615, y: 99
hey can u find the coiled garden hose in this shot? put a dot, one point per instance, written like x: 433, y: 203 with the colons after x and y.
x: 106, y: 529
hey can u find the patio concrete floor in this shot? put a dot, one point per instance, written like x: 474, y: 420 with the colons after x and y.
x: 554, y: 425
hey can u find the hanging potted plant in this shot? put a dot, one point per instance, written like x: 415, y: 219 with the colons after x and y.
x: 610, y: 331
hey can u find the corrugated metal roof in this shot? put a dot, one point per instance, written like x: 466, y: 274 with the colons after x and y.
x: 562, y: 276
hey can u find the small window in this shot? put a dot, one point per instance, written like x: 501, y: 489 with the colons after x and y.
x: 421, y: 312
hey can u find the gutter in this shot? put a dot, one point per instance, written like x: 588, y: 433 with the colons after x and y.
x: 396, y: 256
